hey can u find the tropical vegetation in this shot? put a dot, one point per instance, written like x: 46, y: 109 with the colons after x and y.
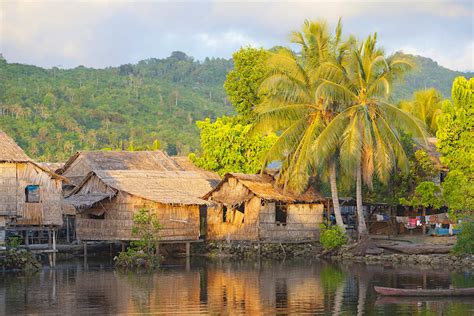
x: 53, y: 112
x: 332, y: 103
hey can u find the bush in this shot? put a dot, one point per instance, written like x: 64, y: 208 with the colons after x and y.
x: 465, y: 240
x: 142, y: 252
x: 137, y: 259
x: 18, y: 259
x: 332, y: 237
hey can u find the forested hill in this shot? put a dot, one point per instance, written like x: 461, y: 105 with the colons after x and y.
x: 427, y: 74
x: 53, y: 112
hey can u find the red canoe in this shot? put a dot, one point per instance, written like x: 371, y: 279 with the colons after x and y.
x: 390, y: 291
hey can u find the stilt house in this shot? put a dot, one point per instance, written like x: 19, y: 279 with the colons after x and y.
x: 119, y: 184
x: 251, y: 207
x: 30, y: 195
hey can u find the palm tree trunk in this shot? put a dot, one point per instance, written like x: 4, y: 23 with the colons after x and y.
x: 360, y: 211
x: 335, y: 197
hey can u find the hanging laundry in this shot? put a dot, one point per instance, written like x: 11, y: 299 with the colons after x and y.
x: 379, y: 218
x: 412, y: 223
x: 402, y: 219
x: 386, y: 218
x: 427, y: 218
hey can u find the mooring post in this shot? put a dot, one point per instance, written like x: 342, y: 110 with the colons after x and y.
x: 54, y: 248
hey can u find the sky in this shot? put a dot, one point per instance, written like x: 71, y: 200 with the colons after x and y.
x: 98, y: 34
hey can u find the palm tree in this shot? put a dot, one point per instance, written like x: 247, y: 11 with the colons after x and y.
x: 292, y: 107
x: 426, y: 105
x: 366, y: 134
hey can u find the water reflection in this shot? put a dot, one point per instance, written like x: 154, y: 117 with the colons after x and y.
x: 229, y: 288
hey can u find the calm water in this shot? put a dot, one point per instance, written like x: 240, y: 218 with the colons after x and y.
x: 229, y: 288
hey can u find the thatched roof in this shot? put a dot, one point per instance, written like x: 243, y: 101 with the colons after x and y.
x: 52, y: 166
x: 85, y: 201
x: 124, y: 160
x: 263, y: 186
x: 10, y: 151
x: 167, y: 187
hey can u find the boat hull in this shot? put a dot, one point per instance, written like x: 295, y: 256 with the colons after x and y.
x: 389, y: 291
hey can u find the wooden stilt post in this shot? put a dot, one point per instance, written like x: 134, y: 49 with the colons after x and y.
x: 49, y: 238
x: 54, y: 248
x: 157, y: 250
x: 27, y: 239
x: 188, y: 256
x: 123, y: 246
x: 188, y: 249
x: 85, y: 253
x: 67, y: 230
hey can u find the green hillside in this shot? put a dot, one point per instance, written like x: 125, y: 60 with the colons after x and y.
x: 53, y: 112
x: 427, y: 74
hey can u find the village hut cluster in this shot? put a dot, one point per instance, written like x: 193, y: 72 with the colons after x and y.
x: 94, y: 196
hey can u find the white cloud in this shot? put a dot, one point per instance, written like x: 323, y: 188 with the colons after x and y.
x: 230, y: 38
x: 455, y: 59
x: 103, y: 33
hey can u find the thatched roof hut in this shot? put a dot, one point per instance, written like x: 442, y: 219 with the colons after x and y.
x: 106, y: 199
x: 253, y: 207
x: 30, y: 194
x: 261, y: 185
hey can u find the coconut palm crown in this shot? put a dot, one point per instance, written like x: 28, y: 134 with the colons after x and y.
x: 366, y: 135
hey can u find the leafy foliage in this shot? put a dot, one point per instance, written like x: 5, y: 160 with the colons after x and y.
x: 332, y: 237
x: 53, y: 112
x: 455, y: 143
x: 465, y: 240
x: 243, y: 81
x: 16, y: 258
x: 426, y: 106
x: 228, y: 147
x: 427, y: 194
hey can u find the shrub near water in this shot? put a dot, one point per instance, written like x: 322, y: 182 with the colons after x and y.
x: 18, y: 259
x: 465, y: 240
x: 332, y: 237
x: 142, y: 253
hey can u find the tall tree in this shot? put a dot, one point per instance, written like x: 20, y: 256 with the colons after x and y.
x: 455, y: 143
x: 292, y: 107
x: 242, y: 82
x: 367, y: 133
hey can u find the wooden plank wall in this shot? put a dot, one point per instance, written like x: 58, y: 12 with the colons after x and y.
x: 8, y: 189
x: 303, y: 222
x: 178, y: 222
x: 234, y: 229
x: 13, y: 180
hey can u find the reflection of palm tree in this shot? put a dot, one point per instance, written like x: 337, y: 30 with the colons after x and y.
x: 362, y: 293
